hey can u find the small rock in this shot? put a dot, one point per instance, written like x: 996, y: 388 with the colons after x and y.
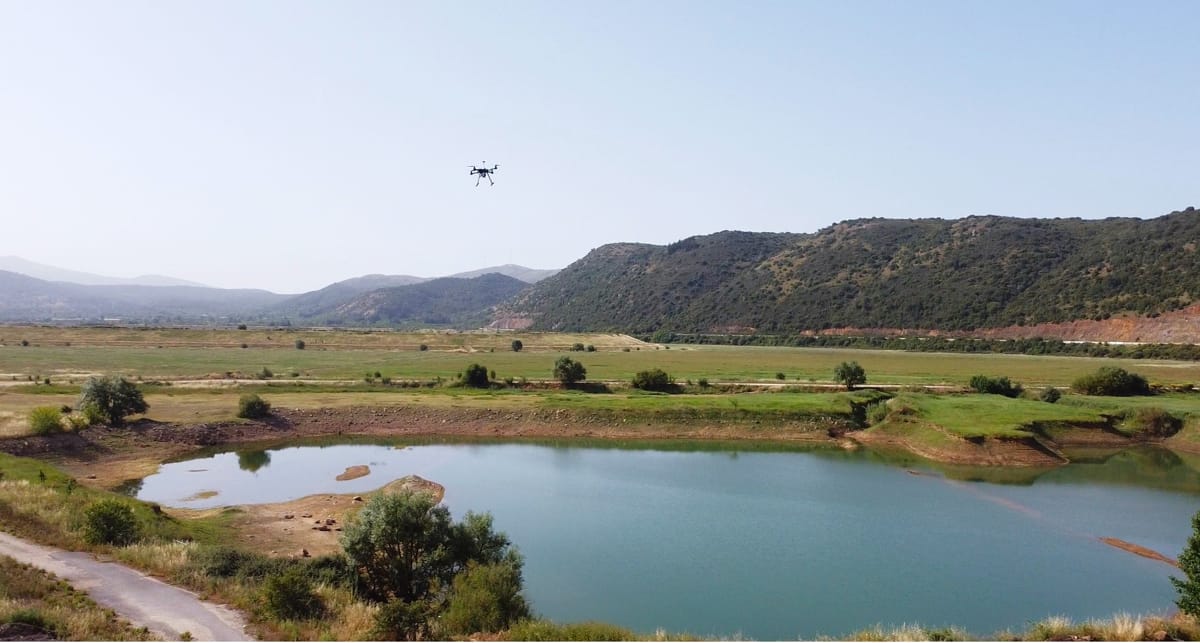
x: 322, y: 528
x: 304, y: 553
x: 306, y: 515
x: 330, y: 521
x: 357, y: 499
x: 288, y: 516
x: 91, y: 476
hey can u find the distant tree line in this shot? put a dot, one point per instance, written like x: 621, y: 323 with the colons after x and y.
x: 1028, y: 346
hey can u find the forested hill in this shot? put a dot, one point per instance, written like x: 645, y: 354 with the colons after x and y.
x: 963, y: 274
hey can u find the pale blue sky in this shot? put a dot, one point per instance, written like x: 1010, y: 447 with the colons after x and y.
x: 286, y: 145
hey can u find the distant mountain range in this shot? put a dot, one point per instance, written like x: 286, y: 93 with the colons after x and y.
x: 396, y: 300
x: 986, y: 275
x: 52, y: 273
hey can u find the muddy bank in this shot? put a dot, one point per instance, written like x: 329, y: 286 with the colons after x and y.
x: 308, y: 526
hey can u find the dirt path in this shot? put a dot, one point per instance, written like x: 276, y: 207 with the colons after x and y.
x: 163, y: 609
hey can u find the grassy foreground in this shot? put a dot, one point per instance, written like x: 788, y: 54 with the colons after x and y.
x: 34, y: 597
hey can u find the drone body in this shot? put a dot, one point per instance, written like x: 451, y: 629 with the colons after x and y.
x: 484, y: 171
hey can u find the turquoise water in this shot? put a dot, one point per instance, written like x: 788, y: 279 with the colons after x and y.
x: 770, y: 545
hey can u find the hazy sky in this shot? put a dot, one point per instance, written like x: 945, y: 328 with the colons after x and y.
x: 286, y: 145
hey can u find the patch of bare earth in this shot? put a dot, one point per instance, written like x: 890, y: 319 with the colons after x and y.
x: 308, y: 526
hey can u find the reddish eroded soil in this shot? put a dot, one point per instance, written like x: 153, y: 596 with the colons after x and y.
x: 1176, y: 327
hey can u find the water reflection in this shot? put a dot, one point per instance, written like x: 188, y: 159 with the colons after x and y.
x: 253, y: 460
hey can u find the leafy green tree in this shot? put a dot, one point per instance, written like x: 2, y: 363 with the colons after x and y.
x: 569, y: 371
x: 1049, y: 395
x: 1189, y: 563
x: 396, y: 544
x: 654, y: 379
x: 850, y: 374
x: 110, y: 522
x: 476, y: 376
x: 517, y: 345
x: 113, y: 397
x: 485, y: 598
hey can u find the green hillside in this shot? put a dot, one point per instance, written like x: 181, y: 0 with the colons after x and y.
x: 976, y: 272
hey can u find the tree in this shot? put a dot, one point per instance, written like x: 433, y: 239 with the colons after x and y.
x: 569, y: 371
x: 300, y: 344
x: 1189, y: 562
x: 850, y: 374
x: 654, y: 379
x: 113, y: 397
x: 517, y: 345
x: 396, y: 545
x: 403, y: 546
x: 476, y: 376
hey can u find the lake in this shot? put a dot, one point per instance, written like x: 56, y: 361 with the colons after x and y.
x: 765, y: 544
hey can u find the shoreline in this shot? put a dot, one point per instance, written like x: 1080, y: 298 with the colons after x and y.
x: 109, y: 456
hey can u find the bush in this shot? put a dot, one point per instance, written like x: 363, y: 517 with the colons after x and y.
x: 423, y: 347
x: 1110, y: 380
x: 780, y: 376
x: 577, y: 347
x: 485, y: 598
x: 399, y: 620
x: 110, y: 522
x: 92, y: 414
x: 241, y: 327
x: 517, y: 345
x: 476, y: 376
x: 1154, y: 422
x: 252, y: 407
x: 45, y: 419
x: 290, y: 595
x: 569, y: 371
x: 265, y: 374
x: 112, y: 398
x: 995, y: 386
x: 653, y: 380
x: 300, y: 344
x: 1050, y: 395
x: 590, y: 348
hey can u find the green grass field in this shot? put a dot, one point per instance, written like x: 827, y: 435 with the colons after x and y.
x: 72, y: 353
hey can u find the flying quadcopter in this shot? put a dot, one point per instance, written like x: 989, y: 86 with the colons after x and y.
x: 484, y: 171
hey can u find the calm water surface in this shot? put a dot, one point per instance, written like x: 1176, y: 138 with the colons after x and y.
x: 770, y: 545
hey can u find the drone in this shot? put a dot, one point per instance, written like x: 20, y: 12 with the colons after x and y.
x: 484, y: 171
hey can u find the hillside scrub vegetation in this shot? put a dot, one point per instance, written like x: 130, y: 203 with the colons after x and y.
x: 936, y: 274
